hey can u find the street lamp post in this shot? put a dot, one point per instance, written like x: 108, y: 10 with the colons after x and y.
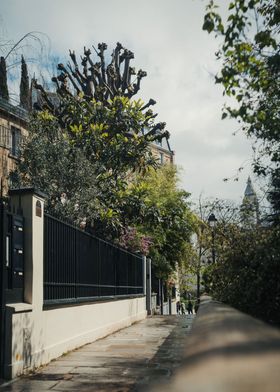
x: 212, y: 221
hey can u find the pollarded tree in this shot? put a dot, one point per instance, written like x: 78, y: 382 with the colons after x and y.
x: 97, y: 113
x: 94, y: 113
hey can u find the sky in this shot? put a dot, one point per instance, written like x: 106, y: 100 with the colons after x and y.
x: 169, y: 44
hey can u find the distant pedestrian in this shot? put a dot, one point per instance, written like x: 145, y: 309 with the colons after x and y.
x: 190, y: 307
x: 183, y: 308
x: 178, y: 307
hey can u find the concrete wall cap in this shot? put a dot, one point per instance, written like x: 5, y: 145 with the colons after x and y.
x: 20, y: 307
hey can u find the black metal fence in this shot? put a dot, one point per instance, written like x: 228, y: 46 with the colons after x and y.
x: 79, y: 267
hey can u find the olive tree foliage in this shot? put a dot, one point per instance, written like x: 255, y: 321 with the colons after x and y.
x: 102, y: 134
x: 250, y: 70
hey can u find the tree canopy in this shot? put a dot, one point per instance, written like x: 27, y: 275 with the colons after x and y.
x: 246, y: 270
x: 160, y: 211
x: 250, y: 55
x: 89, y: 149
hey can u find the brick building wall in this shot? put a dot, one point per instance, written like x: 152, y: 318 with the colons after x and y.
x: 13, y: 127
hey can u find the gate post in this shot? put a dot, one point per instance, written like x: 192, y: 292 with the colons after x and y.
x: 144, y: 275
x: 149, y: 287
x: 24, y: 319
x: 31, y: 203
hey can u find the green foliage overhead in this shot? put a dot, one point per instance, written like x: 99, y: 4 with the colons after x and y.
x: 250, y: 55
x: 247, y: 269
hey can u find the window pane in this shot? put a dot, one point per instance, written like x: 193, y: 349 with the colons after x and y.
x: 16, y: 136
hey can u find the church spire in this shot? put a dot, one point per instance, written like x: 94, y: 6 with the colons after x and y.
x: 249, y: 191
x: 250, y: 204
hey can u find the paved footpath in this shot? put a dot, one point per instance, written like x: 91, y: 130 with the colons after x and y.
x: 127, y: 361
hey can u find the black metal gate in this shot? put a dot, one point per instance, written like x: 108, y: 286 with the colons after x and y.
x: 11, y: 265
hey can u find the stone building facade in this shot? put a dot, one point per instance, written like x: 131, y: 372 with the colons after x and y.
x: 163, y: 152
x: 13, y: 127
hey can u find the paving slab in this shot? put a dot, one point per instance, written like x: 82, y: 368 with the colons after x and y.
x: 129, y: 360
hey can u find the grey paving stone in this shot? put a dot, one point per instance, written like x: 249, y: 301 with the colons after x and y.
x: 24, y: 385
x: 127, y: 361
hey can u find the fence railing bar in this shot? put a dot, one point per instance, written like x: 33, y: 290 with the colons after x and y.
x: 90, y: 299
x: 89, y: 285
x: 93, y: 236
x: 80, y: 265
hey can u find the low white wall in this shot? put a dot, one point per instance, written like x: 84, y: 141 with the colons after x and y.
x: 35, y: 336
x: 166, y: 308
x: 39, y: 337
x: 74, y: 326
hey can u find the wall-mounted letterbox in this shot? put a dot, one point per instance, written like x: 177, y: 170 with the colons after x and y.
x: 14, y: 260
x: 17, y: 251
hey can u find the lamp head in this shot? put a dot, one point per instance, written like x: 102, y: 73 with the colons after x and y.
x: 212, y: 220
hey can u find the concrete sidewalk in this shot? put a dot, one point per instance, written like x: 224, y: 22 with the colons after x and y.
x: 132, y: 359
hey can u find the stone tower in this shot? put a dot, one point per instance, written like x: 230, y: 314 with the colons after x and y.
x: 250, y: 205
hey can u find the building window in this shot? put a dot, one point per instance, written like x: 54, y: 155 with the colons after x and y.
x: 4, y: 137
x: 161, y: 158
x: 16, y: 137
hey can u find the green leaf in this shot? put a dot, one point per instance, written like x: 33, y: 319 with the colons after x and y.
x: 208, y: 24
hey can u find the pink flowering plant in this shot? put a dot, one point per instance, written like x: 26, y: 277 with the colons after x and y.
x: 131, y: 239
